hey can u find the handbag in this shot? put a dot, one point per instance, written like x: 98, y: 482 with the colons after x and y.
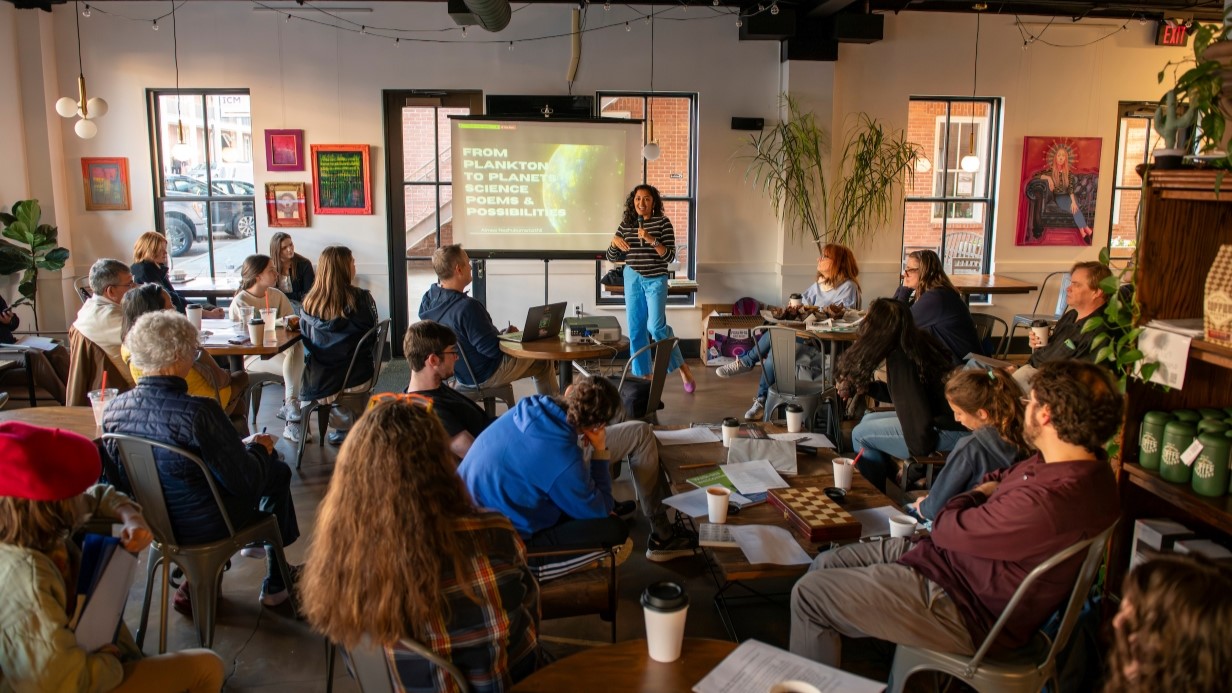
x: 614, y: 277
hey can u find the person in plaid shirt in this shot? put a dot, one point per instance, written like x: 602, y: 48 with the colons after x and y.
x: 420, y: 561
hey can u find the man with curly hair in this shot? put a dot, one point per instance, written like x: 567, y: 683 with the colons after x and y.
x: 947, y: 590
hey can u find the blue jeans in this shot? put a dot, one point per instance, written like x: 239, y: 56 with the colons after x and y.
x: 1064, y: 201
x: 880, y: 436
x: 646, y: 309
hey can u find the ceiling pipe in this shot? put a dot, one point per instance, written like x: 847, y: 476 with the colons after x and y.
x: 493, y: 15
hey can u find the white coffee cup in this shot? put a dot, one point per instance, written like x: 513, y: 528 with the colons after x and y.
x: 178, y: 275
x: 193, y: 312
x: 795, y: 418
x: 731, y: 428
x: 843, y: 467
x: 902, y: 525
x: 717, y: 498
x: 665, y: 606
x: 1041, y: 335
x: 256, y: 331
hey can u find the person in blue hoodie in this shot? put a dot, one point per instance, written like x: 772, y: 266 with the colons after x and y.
x: 546, y: 465
x: 445, y: 302
x: 990, y: 404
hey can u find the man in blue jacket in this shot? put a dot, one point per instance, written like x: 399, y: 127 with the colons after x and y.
x: 446, y: 303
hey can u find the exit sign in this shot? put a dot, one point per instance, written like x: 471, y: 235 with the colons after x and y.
x: 1170, y: 34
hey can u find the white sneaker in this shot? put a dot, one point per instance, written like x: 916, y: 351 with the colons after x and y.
x: 734, y: 368
x: 290, y: 412
x: 754, y: 413
x: 292, y: 432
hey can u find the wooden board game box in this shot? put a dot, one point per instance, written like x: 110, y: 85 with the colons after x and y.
x: 814, y: 515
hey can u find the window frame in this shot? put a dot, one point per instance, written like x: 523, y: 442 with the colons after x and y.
x: 1132, y: 110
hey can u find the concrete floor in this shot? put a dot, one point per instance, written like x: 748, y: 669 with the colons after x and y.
x: 268, y: 650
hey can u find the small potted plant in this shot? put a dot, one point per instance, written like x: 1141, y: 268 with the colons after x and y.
x: 1199, y: 90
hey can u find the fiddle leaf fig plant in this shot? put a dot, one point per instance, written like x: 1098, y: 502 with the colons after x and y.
x: 35, y: 248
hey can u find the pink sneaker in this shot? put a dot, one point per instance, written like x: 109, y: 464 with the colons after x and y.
x: 690, y: 386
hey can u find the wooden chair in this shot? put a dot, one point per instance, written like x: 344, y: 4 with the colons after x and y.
x: 580, y: 593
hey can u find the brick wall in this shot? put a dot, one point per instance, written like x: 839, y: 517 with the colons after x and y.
x: 922, y: 224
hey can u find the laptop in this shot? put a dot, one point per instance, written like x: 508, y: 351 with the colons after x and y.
x: 542, y: 322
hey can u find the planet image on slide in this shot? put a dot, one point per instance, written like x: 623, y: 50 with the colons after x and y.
x: 574, y: 173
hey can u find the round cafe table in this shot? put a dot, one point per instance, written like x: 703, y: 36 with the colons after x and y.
x: 564, y: 354
x: 627, y: 667
x: 79, y: 420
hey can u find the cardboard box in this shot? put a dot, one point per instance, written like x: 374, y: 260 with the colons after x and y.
x: 1217, y: 299
x: 1154, y: 536
x: 726, y: 336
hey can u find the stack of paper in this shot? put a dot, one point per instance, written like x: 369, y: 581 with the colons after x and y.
x: 1190, y: 327
x: 753, y: 477
x: 756, y: 666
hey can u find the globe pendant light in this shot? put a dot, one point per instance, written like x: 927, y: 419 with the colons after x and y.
x: 181, y: 151
x: 651, y: 151
x: 88, y: 109
x: 971, y: 163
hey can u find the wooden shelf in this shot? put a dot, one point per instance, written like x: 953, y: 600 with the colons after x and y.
x: 1216, y: 512
x: 1209, y: 352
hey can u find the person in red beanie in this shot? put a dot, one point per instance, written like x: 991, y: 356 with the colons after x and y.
x: 46, y: 486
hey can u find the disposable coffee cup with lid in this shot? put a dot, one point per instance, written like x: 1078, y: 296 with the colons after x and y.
x: 665, y: 606
x: 795, y: 300
x: 730, y: 428
x: 256, y: 330
x: 795, y: 418
x: 1040, y: 329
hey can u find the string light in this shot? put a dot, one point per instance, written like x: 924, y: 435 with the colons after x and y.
x: 774, y: 9
x: 714, y: 2
x: 607, y: 5
x: 463, y: 32
x: 646, y: 19
x: 288, y: 19
x: 363, y: 29
x: 739, y: 22
x: 511, y: 45
x: 86, y: 12
x: 155, y: 25
x: 627, y: 27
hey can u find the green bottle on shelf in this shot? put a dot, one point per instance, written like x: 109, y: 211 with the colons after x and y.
x: 1150, y: 438
x: 1210, y: 469
x: 1178, y: 435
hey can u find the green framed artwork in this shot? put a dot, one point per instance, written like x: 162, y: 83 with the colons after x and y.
x: 341, y: 179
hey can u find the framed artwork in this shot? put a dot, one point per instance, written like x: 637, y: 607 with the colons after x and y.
x: 341, y: 181
x: 284, y: 150
x: 106, y: 183
x: 1057, y: 191
x: 286, y: 204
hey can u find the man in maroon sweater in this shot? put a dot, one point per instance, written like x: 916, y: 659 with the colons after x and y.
x: 945, y: 592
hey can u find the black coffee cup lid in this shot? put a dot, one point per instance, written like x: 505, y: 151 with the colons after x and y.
x: 793, y: 407
x: 665, y: 596
x: 731, y: 421
x: 256, y: 320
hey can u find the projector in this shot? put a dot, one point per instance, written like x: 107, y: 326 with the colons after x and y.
x: 604, y: 328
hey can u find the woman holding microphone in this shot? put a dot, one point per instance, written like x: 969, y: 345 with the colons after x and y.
x: 645, y: 241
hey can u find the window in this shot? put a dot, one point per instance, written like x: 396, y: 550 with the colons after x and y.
x: 204, y: 193
x: 948, y: 209
x: 1135, y: 141
x: 673, y: 173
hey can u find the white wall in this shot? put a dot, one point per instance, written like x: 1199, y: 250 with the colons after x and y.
x: 328, y: 82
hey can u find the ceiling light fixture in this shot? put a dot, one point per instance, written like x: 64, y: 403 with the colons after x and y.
x: 181, y: 151
x: 651, y: 151
x: 88, y: 109
x: 971, y: 163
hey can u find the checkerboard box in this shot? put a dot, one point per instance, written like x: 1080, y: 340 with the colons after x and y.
x: 1155, y: 536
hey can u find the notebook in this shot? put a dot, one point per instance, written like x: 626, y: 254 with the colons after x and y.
x: 542, y: 322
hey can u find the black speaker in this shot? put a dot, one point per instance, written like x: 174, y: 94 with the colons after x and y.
x: 748, y: 123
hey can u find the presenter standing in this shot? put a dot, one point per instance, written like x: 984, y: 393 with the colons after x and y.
x: 646, y: 242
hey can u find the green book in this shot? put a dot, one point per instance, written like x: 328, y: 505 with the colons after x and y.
x: 720, y: 478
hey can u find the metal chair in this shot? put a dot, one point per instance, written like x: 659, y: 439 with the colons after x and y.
x: 81, y: 286
x: 984, y: 326
x: 484, y: 395
x: 373, y: 668
x: 202, y: 563
x: 257, y: 381
x: 1027, y: 668
x: 1025, y: 320
x: 662, y: 356
x: 376, y: 350
x: 788, y: 389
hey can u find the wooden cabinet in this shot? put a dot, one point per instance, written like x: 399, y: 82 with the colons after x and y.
x: 1184, y: 222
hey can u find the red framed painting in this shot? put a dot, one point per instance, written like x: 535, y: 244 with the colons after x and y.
x: 106, y: 183
x: 286, y: 204
x: 284, y: 150
x: 341, y: 179
x: 1057, y: 191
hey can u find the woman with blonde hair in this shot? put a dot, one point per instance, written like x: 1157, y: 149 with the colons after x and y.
x: 421, y: 561
x: 336, y: 316
x: 294, y: 271
x: 257, y: 280
x: 937, y: 307
x: 150, y: 267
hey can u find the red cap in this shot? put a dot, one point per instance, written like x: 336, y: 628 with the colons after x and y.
x: 45, y: 464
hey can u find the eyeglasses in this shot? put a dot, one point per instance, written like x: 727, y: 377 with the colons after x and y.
x: 453, y: 351
x: 130, y: 285
x: 912, y: 270
x: 1026, y: 401
x: 412, y: 398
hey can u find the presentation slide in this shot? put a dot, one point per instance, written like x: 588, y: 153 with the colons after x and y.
x: 538, y: 187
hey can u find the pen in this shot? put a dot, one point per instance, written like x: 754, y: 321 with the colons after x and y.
x: 264, y: 429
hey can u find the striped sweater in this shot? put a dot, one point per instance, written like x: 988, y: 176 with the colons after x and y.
x: 641, y: 256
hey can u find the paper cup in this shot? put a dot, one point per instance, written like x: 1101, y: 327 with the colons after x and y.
x: 193, y: 312
x: 179, y: 275
x: 1041, y: 333
x: 795, y: 418
x: 731, y: 428
x: 256, y: 332
x: 902, y: 526
x: 665, y: 606
x: 717, y: 498
x: 99, y: 402
x: 843, y: 467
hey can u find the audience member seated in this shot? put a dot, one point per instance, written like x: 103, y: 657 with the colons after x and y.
x: 294, y: 271
x: 150, y: 267
x: 989, y: 403
x: 837, y: 285
x: 1084, y: 298
x: 99, y: 319
x: 547, y: 466
x: 257, y: 280
x: 45, y: 490
x: 937, y: 306
x: 50, y: 367
x: 945, y: 592
x: 446, y: 303
x: 207, y: 378
x: 448, y: 574
x: 1173, y: 628
x: 432, y: 352
x: 916, y: 363
x: 248, y: 472
x: 336, y: 316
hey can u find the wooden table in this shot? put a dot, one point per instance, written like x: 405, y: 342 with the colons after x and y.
x: 283, y: 340
x: 558, y: 350
x: 207, y: 287
x: 968, y: 284
x: 79, y: 420
x: 627, y: 667
x: 619, y: 289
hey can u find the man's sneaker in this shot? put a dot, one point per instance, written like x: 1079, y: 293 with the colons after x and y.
x: 754, y: 413
x: 256, y: 550
x: 276, y: 597
x: 292, y: 432
x: 290, y: 412
x: 336, y: 437
x: 682, y: 543
x: 734, y: 368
